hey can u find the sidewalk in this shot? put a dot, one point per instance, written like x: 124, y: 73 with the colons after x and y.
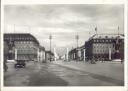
x: 112, y: 70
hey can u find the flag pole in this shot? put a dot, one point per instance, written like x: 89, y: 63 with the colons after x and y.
x: 96, y: 30
x: 118, y: 30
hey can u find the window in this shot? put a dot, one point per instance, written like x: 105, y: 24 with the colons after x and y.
x: 113, y: 45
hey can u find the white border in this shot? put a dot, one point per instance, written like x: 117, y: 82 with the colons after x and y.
x: 90, y: 88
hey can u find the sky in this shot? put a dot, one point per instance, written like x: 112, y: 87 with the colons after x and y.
x: 63, y: 22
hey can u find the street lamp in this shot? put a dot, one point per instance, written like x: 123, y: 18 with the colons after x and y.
x: 77, y: 38
x: 50, y: 38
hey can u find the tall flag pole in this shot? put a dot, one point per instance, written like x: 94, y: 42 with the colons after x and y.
x: 118, y: 30
x: 89, y: 34
x: 96, y: 30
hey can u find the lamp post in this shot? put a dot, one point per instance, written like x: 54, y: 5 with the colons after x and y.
x: 50, y: 38
x: 77, y: 38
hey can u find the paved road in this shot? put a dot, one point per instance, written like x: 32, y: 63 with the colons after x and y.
x: 49, y: 74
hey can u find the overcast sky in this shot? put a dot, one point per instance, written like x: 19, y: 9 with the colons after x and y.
x: 63, y: 22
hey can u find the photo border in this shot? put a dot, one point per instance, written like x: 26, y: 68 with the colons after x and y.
x: 68, y: 88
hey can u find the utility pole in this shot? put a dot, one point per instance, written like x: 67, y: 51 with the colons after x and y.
x: 77, y: 38
x: 50, y: 38
x: 118, y: 30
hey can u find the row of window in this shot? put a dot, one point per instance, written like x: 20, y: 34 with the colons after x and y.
x: 23, y: 42
x: 24, y: 47
x: 105, y: 47
x: 103, y: 51
x: 18, y: 38
x: 26, y: 51
x: 101, y: 40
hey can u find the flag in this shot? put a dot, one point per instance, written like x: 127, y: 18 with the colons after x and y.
x: 96, y: 29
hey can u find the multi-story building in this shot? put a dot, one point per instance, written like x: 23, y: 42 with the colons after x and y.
x: 22, y: 46
x: 105, y: 47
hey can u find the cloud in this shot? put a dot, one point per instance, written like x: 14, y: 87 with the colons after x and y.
x: 63, y: 21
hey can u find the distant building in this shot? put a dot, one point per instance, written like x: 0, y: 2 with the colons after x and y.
x: 22, y: 46
x: 48, y: 55
x: 81, y: 53
x: 73, y: 54
x: 104, y: 47
x: 41, y: 54
x: 77, y: 53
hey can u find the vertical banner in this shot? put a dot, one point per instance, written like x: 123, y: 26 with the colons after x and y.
x: 109, y: 53
x: 15, y: 54
x: 84, y: 54
x: 67, y: 54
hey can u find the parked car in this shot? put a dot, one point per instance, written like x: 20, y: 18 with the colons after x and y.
x: 20, y: 64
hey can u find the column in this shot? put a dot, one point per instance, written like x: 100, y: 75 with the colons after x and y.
x: 15, y: 54
x: 54, y: 54
x: 67, y: 54
x: 109, y: 53
x: 74, y: 56
x: 41, y: 56
x: 44, y: 56
x: 84, y: 54
x: 38, y: 54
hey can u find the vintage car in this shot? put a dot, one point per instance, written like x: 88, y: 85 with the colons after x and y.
x: 20, y: 64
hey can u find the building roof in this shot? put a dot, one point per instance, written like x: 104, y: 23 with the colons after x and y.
x: 42, y: 48
x: 49, y: 52
x: 19, y: 37
x: 104, y: 36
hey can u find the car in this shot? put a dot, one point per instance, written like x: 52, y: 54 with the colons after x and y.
x: 20, y: 64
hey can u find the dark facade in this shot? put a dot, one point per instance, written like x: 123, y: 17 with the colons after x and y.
x: 21, y: 46
x: 77, y: 53
x: 48, y: 55
x: 6, y: 50
x: 73, y: 54
x: 105, y: 47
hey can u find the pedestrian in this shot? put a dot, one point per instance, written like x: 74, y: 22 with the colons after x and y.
x: 5, y: 65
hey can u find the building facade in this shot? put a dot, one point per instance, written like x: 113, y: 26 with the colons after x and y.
x: 105, y: 47
x: 41, y: 54
x: 6, y: 50
x: 77, y: 53
x: 73, y: 54
x: 49, y: 55
x: 22, y: 46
